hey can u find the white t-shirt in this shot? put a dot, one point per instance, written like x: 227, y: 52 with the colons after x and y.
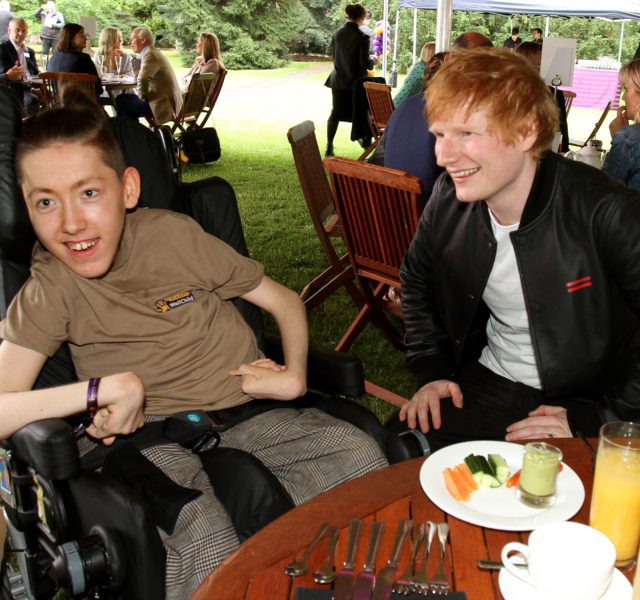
x: 509, y: 351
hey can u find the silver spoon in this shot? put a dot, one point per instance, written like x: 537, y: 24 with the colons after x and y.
x: 299, y: 567
x: 326, y: 573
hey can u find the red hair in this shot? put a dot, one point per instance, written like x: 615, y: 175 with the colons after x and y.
x: 502, y: 83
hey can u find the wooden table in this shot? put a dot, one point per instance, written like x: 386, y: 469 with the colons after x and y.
x: 255, y: 571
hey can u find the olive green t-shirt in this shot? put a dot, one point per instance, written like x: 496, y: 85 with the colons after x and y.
x: 162, y: 311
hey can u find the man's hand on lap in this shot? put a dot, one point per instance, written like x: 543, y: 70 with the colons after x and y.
x: 427, y: 401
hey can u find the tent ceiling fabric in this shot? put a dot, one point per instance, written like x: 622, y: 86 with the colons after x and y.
x: 614, y: 9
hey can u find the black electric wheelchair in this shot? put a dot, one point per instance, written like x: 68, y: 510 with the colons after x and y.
x: 72, y: 528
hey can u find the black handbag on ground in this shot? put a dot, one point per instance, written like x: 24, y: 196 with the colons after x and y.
x: 201, y: 145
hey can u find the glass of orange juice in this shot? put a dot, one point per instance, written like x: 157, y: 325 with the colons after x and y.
x: 615, y: 503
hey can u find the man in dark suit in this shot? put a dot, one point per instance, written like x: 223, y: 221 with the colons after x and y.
x: 14, y: 54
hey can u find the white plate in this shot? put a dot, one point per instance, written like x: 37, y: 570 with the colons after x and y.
x: 498, y: 508
x: 513, y: 588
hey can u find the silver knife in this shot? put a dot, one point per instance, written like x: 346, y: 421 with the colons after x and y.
x: 344, y: 579
x: 388, y: 575
x: 366, y: 578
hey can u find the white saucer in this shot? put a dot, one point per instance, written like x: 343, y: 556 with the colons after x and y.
x: 513, y: 588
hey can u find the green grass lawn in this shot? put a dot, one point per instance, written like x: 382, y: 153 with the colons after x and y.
x: 253, y: 114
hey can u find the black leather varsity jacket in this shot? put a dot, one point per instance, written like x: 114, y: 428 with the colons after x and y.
x: 578, y: 252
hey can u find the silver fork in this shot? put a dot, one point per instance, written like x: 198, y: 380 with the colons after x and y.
x: 403, y: 584
x: 439, y: 582
x: 299, y: 567
x: 326, y: 573
x: 420, y: 582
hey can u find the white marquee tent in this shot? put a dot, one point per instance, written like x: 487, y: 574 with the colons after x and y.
x: 611, y: 9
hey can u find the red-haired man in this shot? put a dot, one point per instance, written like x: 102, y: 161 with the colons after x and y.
x: 520, y: 287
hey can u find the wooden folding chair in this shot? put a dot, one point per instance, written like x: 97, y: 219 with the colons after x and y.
x: 317, y: 193
x: 211, y: 101
x: 379, y: 209
x: 595, y: 129
x: 54, y: 83
x: 195, y: 100
x: 380, y: 109
x: 568, y: 99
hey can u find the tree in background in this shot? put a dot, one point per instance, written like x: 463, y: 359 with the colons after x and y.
x: 262, y: 33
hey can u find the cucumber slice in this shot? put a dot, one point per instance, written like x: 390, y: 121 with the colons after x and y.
x: 489, y: 481
x: 500, y: 467
x: 474, y: 464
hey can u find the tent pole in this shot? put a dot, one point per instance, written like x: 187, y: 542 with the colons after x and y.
x: 415, y: 32
x: 393, y: 78
x: 385, y: 37
x: 546, y: 27
x: 621, y: 40
x: 443, y: 25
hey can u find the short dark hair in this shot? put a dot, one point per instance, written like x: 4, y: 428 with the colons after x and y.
x: 78, y: 120
x: 355, y: 12
x: 537, y: 29
x: 515, y: 31
x: 68, y: 33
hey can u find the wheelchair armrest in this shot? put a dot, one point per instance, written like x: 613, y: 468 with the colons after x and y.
x: 49, y: 446
x: 328, y: 371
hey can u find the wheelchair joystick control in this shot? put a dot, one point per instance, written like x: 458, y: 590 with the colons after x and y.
x: 92, y: 565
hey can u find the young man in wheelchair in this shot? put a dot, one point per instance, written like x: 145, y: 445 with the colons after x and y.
x: 141, y: 297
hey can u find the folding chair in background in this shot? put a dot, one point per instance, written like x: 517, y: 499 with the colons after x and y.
x: 380, y: 109
x: 198, y: 94
x: 568, y: 99
x: 207, y: 109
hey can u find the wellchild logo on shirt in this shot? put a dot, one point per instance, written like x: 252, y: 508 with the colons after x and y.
x: 166, y: 304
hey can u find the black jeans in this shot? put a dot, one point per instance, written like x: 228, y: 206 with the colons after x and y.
x: 491, y: 403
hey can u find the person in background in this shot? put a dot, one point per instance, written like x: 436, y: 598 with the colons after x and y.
x: 18, y: 63
x: 413, y: 82
x: 159, y: 97
x: 623, y: 159
x: 350, y: 52
x: 110, y: 53
x: 6, y: 16
x: 514, y: 40
x: 52, y: 22
x: 536, y: 32
x: 521, y: 287
x: 70, y: 57
x: 533, y: 53
x: 470, y: 39
x: 365, y: 28
x: 209, y: 59
x: 408, y: 145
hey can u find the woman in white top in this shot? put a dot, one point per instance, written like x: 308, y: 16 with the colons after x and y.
x: 110, y: 53
x: 208, y: 61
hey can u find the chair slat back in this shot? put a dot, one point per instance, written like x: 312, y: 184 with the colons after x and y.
x: 313, y: 179
x: 568, y: 99
x: 197, y: 96
x: 380, y: 103
x: 213, y: 98
x: 56, y: 82
x: 379, y: 209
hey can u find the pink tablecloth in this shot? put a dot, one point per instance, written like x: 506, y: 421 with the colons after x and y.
x: 594, y: 88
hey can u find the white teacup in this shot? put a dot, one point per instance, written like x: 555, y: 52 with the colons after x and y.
x: 565, y: 561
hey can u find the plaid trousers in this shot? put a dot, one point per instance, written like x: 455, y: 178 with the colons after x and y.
x: 308, y: 450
